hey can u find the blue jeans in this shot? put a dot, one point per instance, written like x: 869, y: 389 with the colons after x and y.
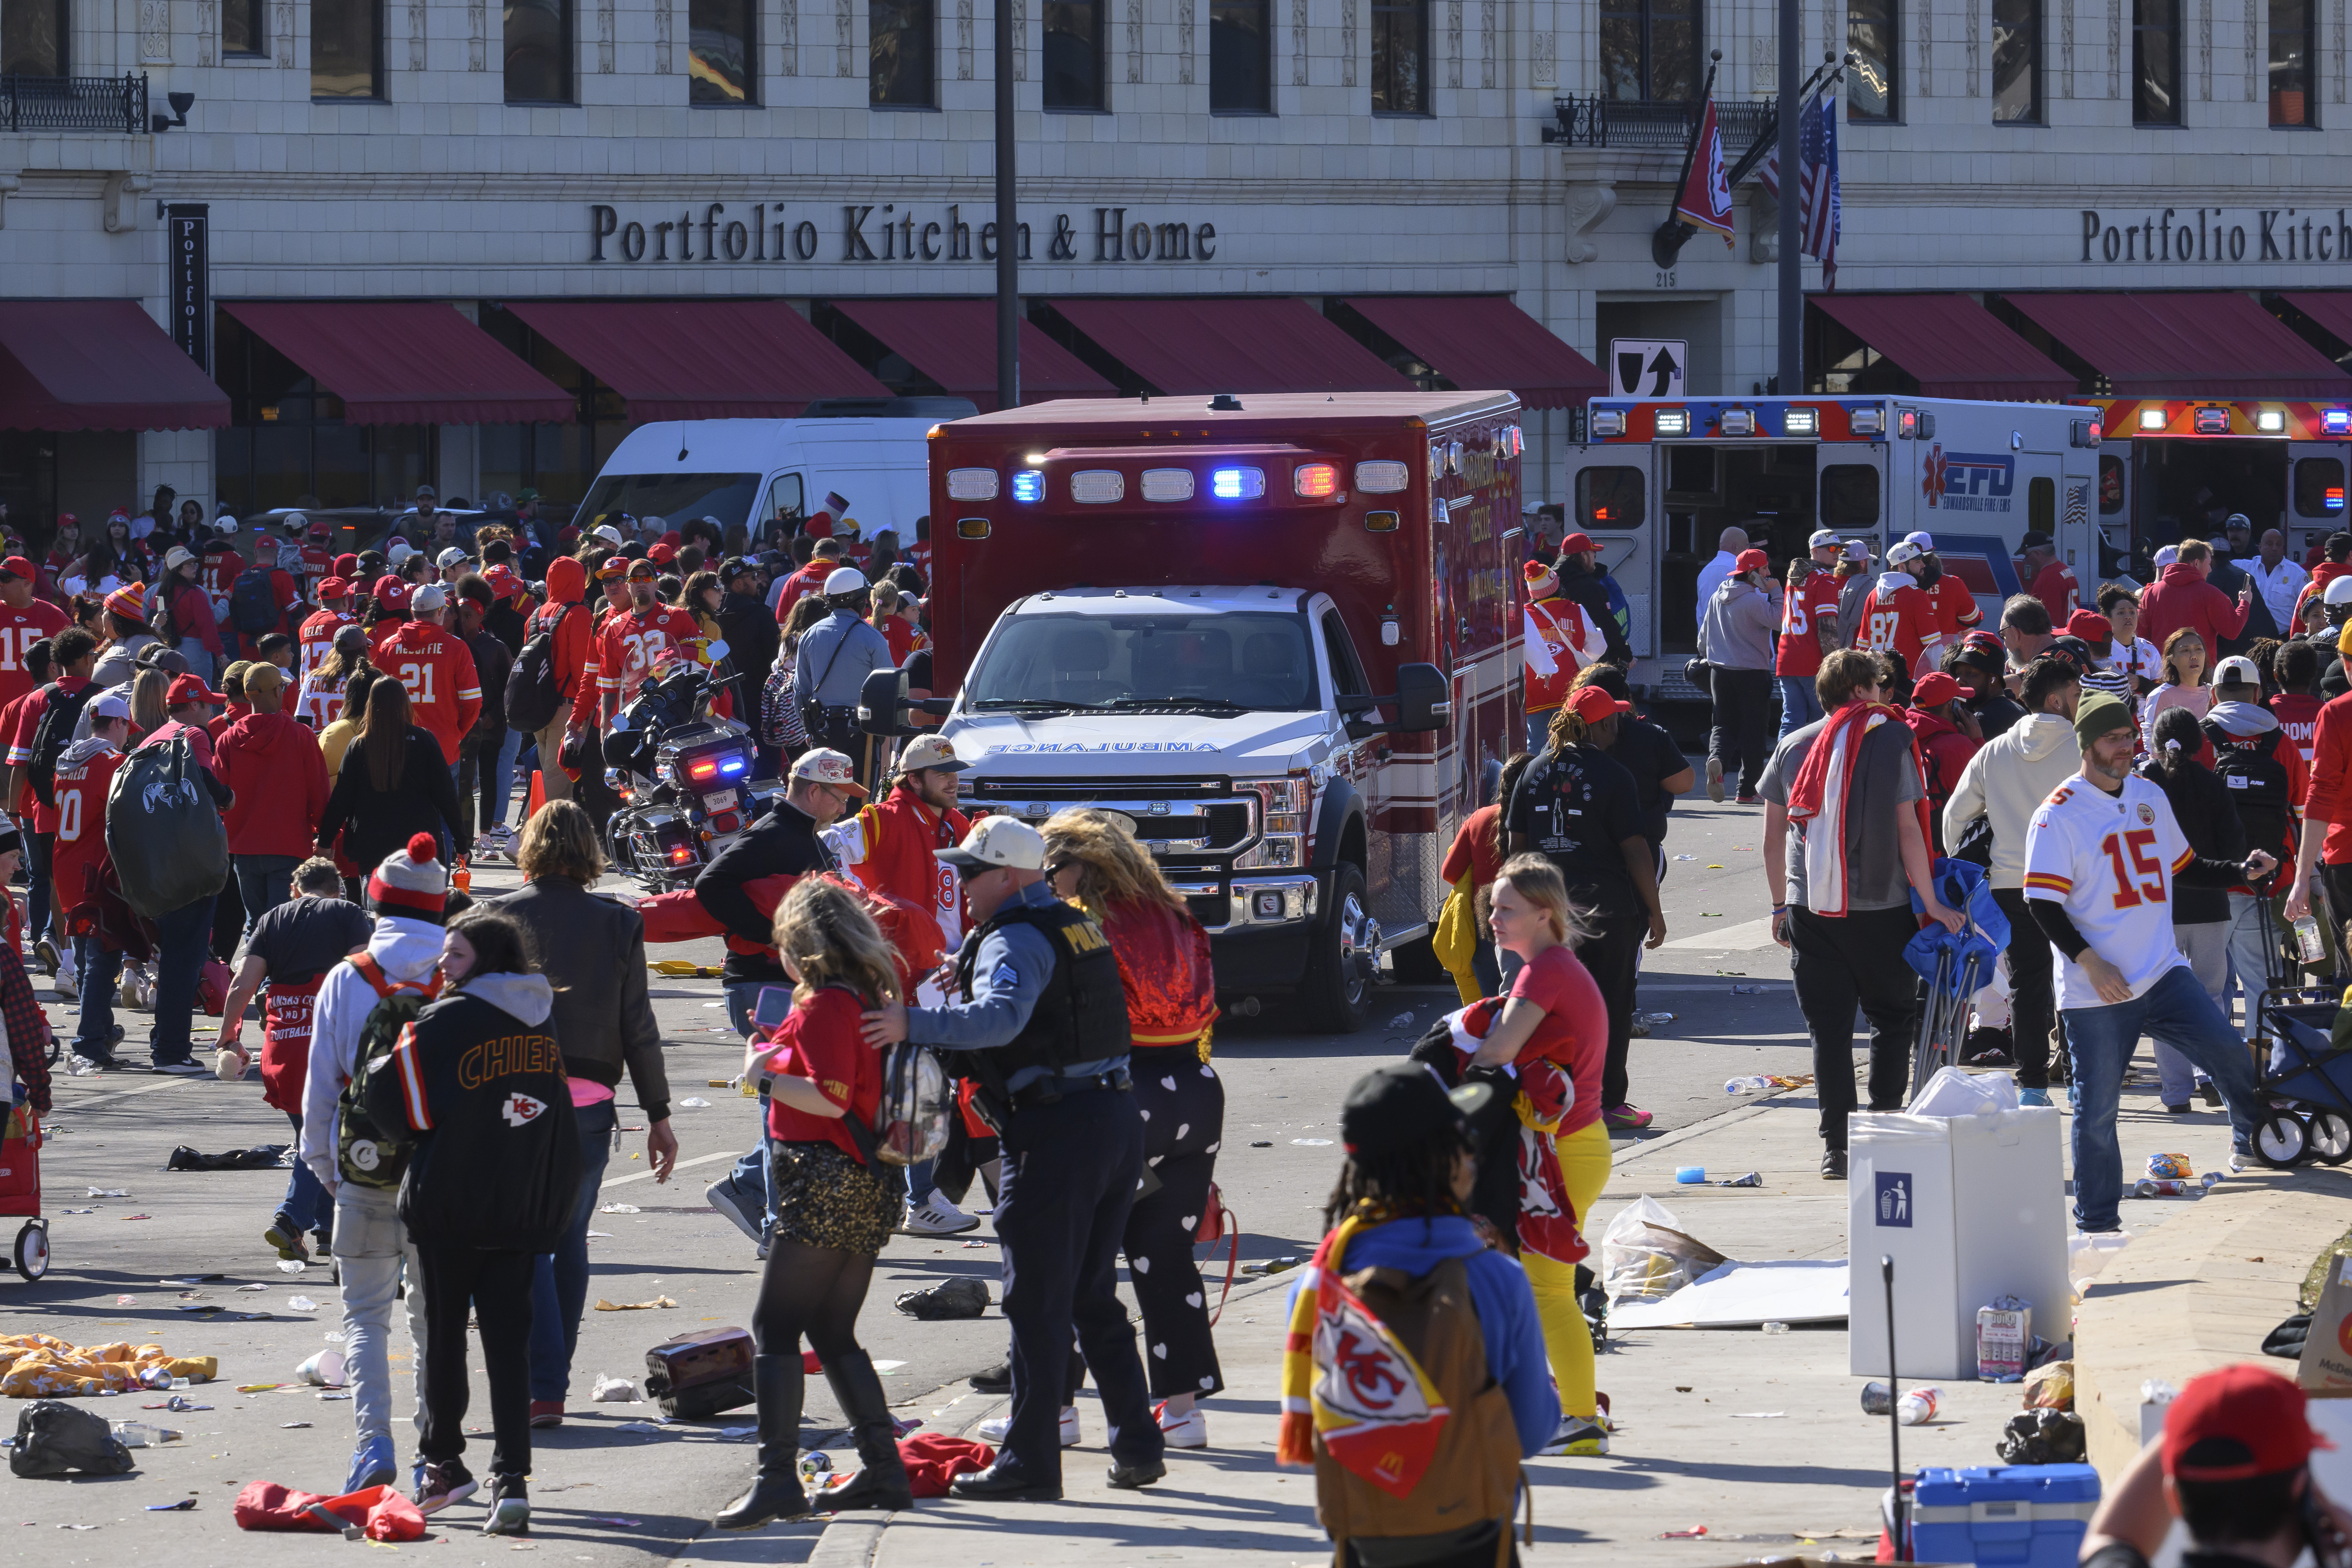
x: 264, y: 883
x: 498, y: 775
x: 101, y: 966
x: 184, y: 939
x: 2177, y: 1011
x: 306, y: 1205
x: 40, y: 848
x: 920, y: 1180
x: 559, y: 1282
x: 1799, y: 703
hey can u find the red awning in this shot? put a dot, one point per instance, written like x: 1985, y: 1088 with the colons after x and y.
x: 1486, y: 342
x: 99, y: 364
x: 2332, y: 311
x: 1952, y: 344
x: 2216, y: 345
x: 406, y: 363
x: 954, y: 342
x: 701, y: 359
x: 1191, y: 346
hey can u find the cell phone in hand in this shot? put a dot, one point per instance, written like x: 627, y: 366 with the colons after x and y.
x: 772, y: 1007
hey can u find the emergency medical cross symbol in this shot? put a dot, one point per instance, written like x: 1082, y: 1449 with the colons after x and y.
x: 522, y: 1108
x: 1931, y: 481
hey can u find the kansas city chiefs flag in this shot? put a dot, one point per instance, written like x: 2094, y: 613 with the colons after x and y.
x: 1705, y: 199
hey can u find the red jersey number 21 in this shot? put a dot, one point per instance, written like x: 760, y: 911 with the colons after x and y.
x: 2138, y: 843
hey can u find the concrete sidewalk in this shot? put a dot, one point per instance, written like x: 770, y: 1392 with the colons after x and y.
x: 1761, y: 1439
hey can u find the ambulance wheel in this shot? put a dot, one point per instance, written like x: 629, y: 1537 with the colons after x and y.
x: 2331, y: 1137
x: 1339, y: 993
x: 2280, y: 1140
x: 33, y: 1249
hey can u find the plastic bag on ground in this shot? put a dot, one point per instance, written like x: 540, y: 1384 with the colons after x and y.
x: 54, y: 1437
x: 958, y: 1298
x: 2086, y: 1255
x: 2041, y: 1438
x: 381, y: 1511
x: 1952, y: 1092
x: 2051, y: 1386
x: 1645, y: 1256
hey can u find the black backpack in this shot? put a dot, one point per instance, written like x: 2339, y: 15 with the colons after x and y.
x: 534, y: 689
x: 61, y: 711
x: 252, y: 603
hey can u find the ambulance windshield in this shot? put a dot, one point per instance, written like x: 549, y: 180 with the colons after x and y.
x: 1235, y: 663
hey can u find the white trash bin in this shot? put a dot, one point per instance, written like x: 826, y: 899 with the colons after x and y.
x: 1970, y: 1208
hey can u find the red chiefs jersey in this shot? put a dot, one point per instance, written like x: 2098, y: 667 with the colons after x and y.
x: 2298, y: 715
x: 221, y: 572
x: 317, y: 640
x: 1558, y: 634
x: 630, y: 644
x: 892, y: 847
x: 444, y: 691
x: 28, y: 730
x: 19, y: 630
x: 1801, y: 608
x: 2057, y: 589
x: 82, y: 825
x: 1898, y: 617
x: 1955, y: 608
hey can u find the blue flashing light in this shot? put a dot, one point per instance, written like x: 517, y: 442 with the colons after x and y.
x: 1029, y: 485
x: 2336, y: 421
x: 1237, y: 484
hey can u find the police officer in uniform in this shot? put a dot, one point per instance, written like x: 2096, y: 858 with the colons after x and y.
x: 1041, y: 1026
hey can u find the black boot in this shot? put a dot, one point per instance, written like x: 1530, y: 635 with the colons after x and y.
x: 881, y: 1479
x: 776, y: 1493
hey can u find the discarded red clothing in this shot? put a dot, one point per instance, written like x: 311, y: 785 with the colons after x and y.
x: 933, y: 1459
x: 381, y: 1511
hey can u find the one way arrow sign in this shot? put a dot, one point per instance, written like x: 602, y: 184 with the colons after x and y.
x: 1648, y: 368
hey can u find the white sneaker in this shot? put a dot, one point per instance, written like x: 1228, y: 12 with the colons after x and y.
x: 2240, y: 1164
x: 1190, y: 1430
x: 82, y: 1066
x: 67, y: 984
x: 938, y: 1215
x: 997, y: 1427
x: 1587, y: 1439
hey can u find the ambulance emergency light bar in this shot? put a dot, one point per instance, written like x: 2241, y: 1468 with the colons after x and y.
x: 2242, y: 418
x: 1769, y: 419
x: 1222, y: 482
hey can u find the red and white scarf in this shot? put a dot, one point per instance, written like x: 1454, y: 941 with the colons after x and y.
x: 1824, y: 787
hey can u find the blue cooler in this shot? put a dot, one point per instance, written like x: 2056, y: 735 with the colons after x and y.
x: 2032, y: 1515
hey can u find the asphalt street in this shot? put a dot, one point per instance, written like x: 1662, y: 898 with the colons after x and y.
x: 614, y: 1485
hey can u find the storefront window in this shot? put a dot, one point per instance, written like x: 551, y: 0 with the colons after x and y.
x: 346, y: 50
x: 539, y: 52
x: 1074, y: 62
x: 286, y: 443
x: 1400, y: 56
x: 1241, y: 75
x: 899, y: 53
x: 1873, y: 36
x: 1650, y: 50
x: 2291, y: 98
x: 244, y: 29
x: 721, y: 53
x: 2016, y: 62
x: 28, y: 478
x: 558, y: 460
x: 2156, y: 62
x: 32, y: 35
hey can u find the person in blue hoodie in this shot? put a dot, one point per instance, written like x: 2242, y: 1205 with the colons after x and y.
x: 1400, y: 1205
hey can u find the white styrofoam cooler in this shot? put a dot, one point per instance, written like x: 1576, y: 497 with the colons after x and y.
x: 1970, y: 1208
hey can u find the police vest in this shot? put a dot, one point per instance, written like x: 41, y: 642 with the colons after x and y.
x: 2249, y: 766
x: 1081, y: 1014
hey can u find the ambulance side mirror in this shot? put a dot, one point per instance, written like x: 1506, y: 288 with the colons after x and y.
x: 1422, y: 704
x: 881, y: 704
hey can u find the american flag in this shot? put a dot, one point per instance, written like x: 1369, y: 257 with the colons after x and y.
x: 1819, y: 218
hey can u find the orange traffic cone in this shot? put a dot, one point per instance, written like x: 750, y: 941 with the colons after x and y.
x: 538, y: 795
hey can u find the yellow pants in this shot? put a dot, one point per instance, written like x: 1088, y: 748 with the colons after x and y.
x: 1584, y: 1165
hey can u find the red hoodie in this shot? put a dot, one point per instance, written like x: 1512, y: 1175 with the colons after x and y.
x: 1945, y: 753
x: 2324, y: 573
x: 2181, y: 598
x: 567, y: 586
x: 272, y: 762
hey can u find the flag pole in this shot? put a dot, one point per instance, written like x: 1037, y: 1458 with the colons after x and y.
x: 1666, y: 242
x: 1792, y: 372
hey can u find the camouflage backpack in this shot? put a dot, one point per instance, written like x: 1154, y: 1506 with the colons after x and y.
x: 370, y: 1155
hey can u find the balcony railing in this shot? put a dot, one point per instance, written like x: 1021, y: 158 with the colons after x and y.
x: 1598, y: 121
x: 117, y: 105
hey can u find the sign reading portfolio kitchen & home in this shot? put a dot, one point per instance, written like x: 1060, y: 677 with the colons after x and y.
x: 868, y: 232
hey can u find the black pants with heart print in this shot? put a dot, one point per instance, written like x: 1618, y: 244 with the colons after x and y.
x: 1183, y: 1106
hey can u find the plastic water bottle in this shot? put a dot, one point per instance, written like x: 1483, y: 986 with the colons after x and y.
x: 140, y: 1435
x: 1917, y: 1406
x: 2308, y: 941
x: 1690, y: 1175
x: 1754, y: 1083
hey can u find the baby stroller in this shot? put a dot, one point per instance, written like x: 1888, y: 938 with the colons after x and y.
x: 1955, y: 964
x: 20, y: 1185
x: 2308, y: 1083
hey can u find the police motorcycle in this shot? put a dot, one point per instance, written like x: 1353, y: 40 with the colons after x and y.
x: 683, y: 774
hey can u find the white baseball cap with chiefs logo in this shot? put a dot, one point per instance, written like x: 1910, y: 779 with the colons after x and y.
x: 931, y: 752
x: 829, y: 767
x: 998, y: 841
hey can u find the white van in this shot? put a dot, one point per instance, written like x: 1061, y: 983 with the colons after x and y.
x: 770, y: 473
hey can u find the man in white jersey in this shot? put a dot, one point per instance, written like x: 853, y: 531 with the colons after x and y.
x: 2100, y: 860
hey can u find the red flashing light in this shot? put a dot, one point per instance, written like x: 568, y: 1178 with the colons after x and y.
x: 1600, y: 514
x: 1316, y: 481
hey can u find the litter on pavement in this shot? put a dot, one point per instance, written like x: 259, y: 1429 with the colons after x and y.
x: 39, y: 1364
x: 604, y: 1306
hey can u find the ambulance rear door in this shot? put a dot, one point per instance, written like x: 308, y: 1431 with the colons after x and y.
x: 2314, y: 494
x: 1613, y: 497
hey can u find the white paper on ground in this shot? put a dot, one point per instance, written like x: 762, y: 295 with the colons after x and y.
x: 1796, y: 1290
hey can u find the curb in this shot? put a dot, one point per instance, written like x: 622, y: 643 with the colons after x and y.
x: 2197, y: 1292
x: 849, y: 1542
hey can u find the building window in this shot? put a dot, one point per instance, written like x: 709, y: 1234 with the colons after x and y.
x: 33, y: 35
x: 720, y: 58
x: 1649, y: 50
x: 288, y: 443
x: 899, y: 53
x: 1872, y: 35
x: 2156, y: 62
x: 2017, y: 62
x: 347, y: 49
x: 1400, y: 56
x: 245, y: 30
x: 539, y: 52
x: 1241, y: 58
x: 2292, y: 98
x: 558, y: 459
x: 1074, y: 53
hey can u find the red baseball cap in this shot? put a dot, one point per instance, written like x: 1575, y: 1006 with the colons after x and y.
x: 503, y: 581
x: 2090, y: 626
x: 1592, y: 704
x: 1934, y: 688
x: 662, y: 554
x: 1752, y: 561
x: 2244, y: 1410
x: 187, y: 689
x: 392, y: 593
x: 347, y: 567
x: 333, y: 588
x: 1577, y: 545
x: 17, y: 566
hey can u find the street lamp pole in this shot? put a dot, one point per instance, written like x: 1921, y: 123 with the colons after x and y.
x: 1008, y: 232
x: 1792, y: 275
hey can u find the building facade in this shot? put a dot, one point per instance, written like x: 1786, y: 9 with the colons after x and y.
x: 195, y: 156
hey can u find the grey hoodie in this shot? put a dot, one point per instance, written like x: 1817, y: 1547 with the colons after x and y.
x: 2006, y: 782
x: 527, y: 998
x: 1741, y: 627
x: 2239, y: 718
